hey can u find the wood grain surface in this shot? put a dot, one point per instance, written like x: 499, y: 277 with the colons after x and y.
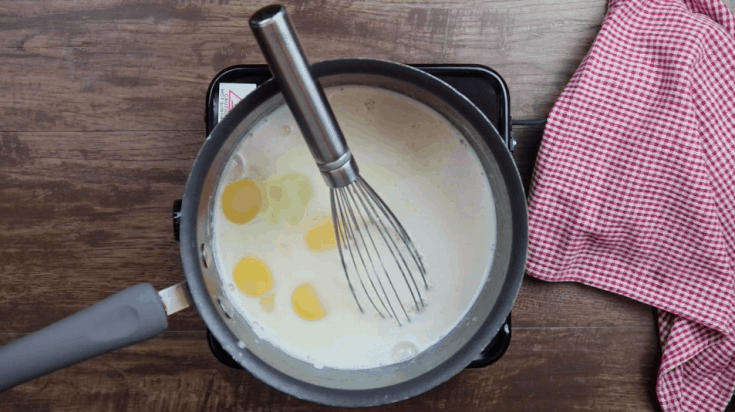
x: 102, y: 115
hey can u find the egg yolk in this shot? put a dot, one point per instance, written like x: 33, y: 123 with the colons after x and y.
x: 321, y: 236
x: 306, y: 303
x: 252, y: 277
x: 287, y: 196
x: 241, y: 201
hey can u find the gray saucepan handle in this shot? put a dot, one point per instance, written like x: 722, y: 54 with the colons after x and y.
x: 134, y: 315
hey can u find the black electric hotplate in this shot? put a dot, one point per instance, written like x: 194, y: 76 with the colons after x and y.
x: 481, y: 85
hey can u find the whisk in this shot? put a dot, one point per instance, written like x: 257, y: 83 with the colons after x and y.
x: 379, y: 258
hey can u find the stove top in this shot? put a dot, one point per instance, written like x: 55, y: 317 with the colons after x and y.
x: 481, y: 85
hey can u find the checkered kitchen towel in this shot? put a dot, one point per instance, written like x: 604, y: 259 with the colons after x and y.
x: 634, y: 186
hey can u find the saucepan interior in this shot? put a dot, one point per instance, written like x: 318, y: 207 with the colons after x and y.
x: 379, y: 385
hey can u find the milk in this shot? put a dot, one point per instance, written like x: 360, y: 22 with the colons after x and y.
x: 430, y: 178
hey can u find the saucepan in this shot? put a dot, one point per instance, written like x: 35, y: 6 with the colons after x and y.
x: 140, y: 312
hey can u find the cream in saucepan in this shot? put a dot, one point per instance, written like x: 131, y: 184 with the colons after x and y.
x: 274, y: 245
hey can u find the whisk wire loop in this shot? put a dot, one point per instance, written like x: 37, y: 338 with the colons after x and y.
x: 397, y: 226
x: 358, y: 213
x: 374, y: 250
x: 361, y: 247
x: 390, y: 243
x: 346, y: 238
x: 341, y: 237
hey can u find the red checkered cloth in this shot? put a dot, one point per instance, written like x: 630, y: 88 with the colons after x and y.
x: 634, y: 186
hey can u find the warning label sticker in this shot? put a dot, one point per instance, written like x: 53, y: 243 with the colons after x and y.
x: 230, y: 95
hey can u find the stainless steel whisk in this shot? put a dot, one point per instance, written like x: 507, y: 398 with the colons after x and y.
x: 373, y: 245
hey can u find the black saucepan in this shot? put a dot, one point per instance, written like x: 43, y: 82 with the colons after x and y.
x: 139, y: 313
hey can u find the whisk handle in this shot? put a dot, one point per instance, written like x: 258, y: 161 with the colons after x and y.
x: 280, y: 45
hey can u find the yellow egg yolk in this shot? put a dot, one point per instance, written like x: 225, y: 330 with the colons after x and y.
x: 287, y: 196
x: 241, y: 201
x: 321, y: 236
x: 252, y: 277
x: 306, y: 303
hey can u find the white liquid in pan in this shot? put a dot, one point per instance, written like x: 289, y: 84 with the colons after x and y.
x: 290, y: 283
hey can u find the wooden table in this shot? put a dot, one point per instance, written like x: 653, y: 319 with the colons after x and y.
x: 101, y: 117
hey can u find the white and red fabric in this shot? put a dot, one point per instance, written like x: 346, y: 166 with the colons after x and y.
x: 634, y: 186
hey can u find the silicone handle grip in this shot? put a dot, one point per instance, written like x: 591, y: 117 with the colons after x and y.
x: 134, y: 315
